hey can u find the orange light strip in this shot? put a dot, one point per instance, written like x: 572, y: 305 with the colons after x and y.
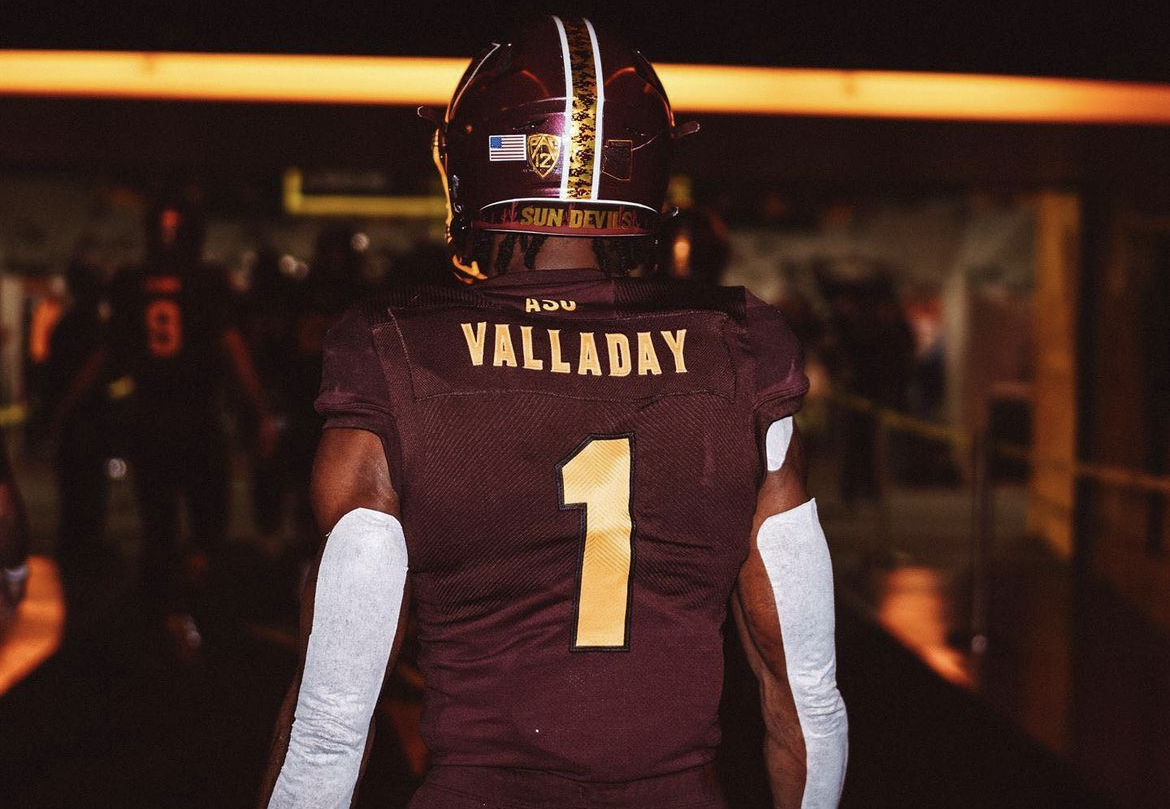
x: 39, y: 625
x: 940, y: 96
x: 229, y: 77
x: 410, y: 81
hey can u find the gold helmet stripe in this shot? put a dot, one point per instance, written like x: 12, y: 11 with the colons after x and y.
x: 583, y: 101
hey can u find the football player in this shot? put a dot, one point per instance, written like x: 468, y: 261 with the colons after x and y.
x: 85, y: 441
x: 172, y: 333
x: 567, y: 475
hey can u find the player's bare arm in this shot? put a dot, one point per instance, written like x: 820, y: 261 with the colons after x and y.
x: 787, y: 634
x: 324, y: 730
x: 240, y: 359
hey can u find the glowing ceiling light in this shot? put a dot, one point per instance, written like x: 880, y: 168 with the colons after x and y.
x: 719, y: 89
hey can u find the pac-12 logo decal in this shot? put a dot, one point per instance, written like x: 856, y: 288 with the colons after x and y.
x: 543, y: 151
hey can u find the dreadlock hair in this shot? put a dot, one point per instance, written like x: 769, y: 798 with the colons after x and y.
x: 534, y: 243
x: 481, y: 249
x: 504, y: 255
x: 615, y: 255
x: 529, y: 244
x: 618, y: 256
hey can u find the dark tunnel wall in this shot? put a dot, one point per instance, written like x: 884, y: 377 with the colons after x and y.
x: 735, y: 149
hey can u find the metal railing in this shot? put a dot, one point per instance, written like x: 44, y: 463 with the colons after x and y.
x: 977, y: 452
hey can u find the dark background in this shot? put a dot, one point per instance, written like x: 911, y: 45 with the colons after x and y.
x: 1120, y: 40
x: 918, y: 742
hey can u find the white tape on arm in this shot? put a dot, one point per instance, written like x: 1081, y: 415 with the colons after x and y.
x: 796, y: 557
x: 777, y: 441
x: 355, y: 618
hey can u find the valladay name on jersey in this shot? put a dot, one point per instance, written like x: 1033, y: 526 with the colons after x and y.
x: 541, y: 350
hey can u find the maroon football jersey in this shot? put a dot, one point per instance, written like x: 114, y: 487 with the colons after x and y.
x: 578, y: 459
x: 166, y: 323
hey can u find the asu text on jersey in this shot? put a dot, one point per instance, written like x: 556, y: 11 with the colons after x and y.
x: 576, y: 487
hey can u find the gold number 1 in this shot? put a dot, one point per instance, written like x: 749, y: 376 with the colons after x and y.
x: 599, y: 476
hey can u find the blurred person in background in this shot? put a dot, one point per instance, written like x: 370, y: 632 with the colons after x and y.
x: 334, y: 282
x: 870, y: 355
x: 266, y: 321
x: 926, y: 460
x: 173, y: 333
x: 13, y: 544
x: 694, y: 245
x: 87, y: 437
x: 44, y: 312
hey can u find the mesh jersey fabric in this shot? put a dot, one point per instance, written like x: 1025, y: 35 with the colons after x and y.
x: 577, y: 459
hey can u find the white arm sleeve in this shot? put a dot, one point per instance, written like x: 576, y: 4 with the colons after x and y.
x: 796, y: 557
x: 777, y: 441
x: 359, y: 592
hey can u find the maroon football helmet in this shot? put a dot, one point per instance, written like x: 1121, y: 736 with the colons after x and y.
x: 565, y: 131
